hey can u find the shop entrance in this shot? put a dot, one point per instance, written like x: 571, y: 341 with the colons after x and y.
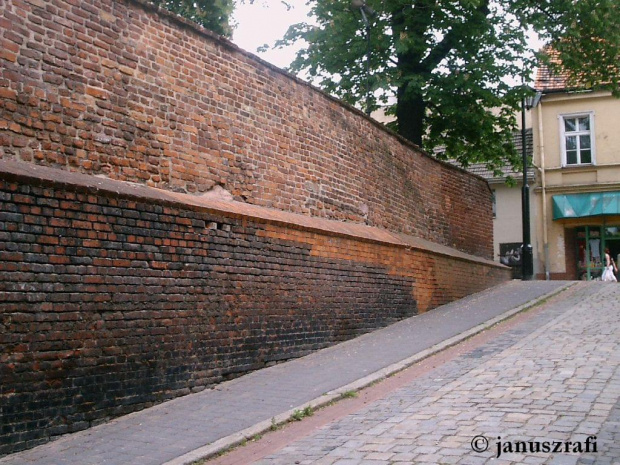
x: 591, y: 244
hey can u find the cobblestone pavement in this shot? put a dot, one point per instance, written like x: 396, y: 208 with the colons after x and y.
x: 556, y: 377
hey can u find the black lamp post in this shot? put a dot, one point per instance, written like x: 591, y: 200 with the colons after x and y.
x: 528, y: 102
x: 366, y: 11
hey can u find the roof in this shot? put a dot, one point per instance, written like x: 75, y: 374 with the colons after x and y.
x: 546, y: 79
x: 551, y: 75
x: 483, y: 171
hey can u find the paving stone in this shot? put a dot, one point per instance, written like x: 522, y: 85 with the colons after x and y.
x: 554, y: 377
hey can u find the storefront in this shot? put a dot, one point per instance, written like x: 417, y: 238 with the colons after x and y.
x: 593, y: 220
x: 591, y: 244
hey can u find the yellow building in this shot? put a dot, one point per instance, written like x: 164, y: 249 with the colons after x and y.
x: 577, y: 193
x: 507, y: 208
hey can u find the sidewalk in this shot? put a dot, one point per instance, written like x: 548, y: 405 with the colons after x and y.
x: 191, y: 427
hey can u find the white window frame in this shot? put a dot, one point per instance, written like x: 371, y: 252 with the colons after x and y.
x: 561, y: 118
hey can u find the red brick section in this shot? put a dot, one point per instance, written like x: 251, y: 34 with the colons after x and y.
x: 114, y: 297
x: 116, y: 88
x: 570, y: 253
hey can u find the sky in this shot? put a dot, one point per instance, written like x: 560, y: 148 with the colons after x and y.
x: 264, y: 22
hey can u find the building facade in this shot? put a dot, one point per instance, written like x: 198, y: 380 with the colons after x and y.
x: 507, y: 208
x: 577, y: 156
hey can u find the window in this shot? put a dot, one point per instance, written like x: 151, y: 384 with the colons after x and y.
x: 494, y: 203
x: 577, y: 139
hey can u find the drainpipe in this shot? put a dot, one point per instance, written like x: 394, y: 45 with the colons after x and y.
x: 544, y: 192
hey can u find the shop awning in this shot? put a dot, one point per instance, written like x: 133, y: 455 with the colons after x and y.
x: 587, y: 204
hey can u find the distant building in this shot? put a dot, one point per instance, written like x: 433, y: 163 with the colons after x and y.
x: 507, y: 217
x: 577, y: 152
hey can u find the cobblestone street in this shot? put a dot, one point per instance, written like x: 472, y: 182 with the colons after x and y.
x: 556, y: 377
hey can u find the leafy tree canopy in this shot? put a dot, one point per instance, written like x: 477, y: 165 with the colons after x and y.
x: 585, y: 37
x: 211, y: 14
x: 447, y: 69
x: 214, y: 15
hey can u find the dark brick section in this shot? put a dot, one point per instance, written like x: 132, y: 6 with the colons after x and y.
x: 112, y: 303
x: 115, y: 88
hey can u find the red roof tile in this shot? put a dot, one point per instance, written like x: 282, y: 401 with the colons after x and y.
x: 546, y: 79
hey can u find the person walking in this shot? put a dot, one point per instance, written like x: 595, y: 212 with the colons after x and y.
x: 610, y: 267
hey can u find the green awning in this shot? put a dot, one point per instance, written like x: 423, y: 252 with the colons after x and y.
x: 584, y: 205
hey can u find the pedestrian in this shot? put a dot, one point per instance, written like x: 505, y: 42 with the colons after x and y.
x: 610, y: 267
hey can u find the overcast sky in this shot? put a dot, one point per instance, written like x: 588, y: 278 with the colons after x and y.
x: 264, y: 22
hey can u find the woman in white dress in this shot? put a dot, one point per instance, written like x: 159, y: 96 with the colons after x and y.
x: 610, y: 266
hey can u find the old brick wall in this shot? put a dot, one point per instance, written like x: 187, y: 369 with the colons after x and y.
x: 114, y: 88
x: 114, y: 297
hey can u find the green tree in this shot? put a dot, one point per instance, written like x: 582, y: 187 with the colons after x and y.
x: 585, y: 36
x: 447, y: 69
x: 211, y: 14
x: 214, y: 15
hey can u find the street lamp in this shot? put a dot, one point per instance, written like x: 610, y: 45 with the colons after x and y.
x: 529, y: 101
x: 366, y: 12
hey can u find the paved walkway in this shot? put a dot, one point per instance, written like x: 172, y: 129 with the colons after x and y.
x: 187, y: 428
x: 555, y: 377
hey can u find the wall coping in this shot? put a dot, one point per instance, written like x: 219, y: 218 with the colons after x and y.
x: 26, y: 173
x: 180, y: 20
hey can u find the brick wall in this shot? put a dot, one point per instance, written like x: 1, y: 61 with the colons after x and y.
x: 115, y: 88
x: 115, y: 297
x: 124, y: 282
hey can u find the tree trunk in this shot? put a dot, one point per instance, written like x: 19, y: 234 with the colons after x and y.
x: 410, y: 111
x: 410, y: 104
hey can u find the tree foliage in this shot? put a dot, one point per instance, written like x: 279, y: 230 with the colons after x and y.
x: 211, y: 14
x: 447, y: 69
x: 585, y: 37
x: 214, y: 15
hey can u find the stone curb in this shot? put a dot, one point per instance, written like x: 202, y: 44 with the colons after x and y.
x: 233, y: 440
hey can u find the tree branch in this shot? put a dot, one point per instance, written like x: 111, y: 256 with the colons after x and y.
x: 442, y: 49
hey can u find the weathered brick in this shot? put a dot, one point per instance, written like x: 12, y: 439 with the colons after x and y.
x: 323, y: 159
x: 90, y: 274
x: 265, y: 292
